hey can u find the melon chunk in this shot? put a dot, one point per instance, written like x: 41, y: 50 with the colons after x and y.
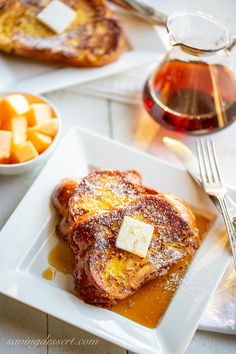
x: 18, y: 126
x: 38, y: 113
x: 13, y: 105
x: 5, y: 144
x: 24, y: 152
x: 5, y: 161
x: 49, y: 127
x: 40, y: 141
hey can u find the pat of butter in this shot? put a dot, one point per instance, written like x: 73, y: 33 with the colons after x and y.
x: 57, y: 16
x: 134, y: 236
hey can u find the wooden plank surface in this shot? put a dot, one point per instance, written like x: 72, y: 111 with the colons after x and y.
x: 127, y: 124
x: 21, y: 322
x: 83, y: 342
x: 18, y: 321
x: 92, y: 114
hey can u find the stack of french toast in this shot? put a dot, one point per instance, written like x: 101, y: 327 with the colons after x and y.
x: 94, y: 38
x: 91, y: 212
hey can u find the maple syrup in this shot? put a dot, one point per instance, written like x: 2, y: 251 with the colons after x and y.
x: 149, y: 303
x: 61, y: 259
x: 191, y: 96
x: 49, y: 273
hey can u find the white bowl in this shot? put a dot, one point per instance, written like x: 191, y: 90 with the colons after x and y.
x: 22, y: 167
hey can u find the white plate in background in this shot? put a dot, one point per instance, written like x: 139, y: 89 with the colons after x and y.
x: 19, y: 74
x: 28, y: 236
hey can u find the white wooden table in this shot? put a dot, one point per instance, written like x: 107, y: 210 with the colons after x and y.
x: 132, y: 126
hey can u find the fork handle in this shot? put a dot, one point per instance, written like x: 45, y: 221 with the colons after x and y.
x: 229, y: 227
x: 142, y: 10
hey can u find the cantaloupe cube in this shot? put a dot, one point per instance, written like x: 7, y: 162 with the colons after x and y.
x: 49, y: 127
x: 40, y: 141
x: 12, y: 106
x: 38, y: 113
x: 18, y: 126
x: 5, y: 161
x: 5, y: 144
x: 24, y: 152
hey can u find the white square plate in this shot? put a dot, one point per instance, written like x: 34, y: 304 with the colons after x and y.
x: 18, y: 74
x: 29, y: 234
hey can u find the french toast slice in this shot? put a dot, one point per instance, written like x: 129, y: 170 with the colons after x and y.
x: 99, y: 191
x: 104, y: 273
x: 94, y: 38
x: 67, y: 187
x: 62, y: 194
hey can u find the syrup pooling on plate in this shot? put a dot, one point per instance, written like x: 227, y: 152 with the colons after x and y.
x: 49, y: 273
x: 61, y: 258
x: 148, y: 304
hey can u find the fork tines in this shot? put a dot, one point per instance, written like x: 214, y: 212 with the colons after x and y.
x: 208, y: 164
x: 213, y: 185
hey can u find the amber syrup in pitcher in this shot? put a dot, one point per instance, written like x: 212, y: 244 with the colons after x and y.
x: 192, y: 96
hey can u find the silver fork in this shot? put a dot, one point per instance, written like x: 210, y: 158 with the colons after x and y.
x: 213, y: 185
x: 142, y: 10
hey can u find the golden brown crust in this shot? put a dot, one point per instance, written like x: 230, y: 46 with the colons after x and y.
x: 112, y: 273
x: 95, y: 38
x: 185, y: 211
x: 99, y: 191
x: 104, y: 190
x: 92, y: 212
x: 62, y: 194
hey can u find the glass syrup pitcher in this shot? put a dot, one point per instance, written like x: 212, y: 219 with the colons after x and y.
x: 194, y: 88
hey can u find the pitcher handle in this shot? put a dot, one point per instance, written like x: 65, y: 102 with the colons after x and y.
x: 231, y: 44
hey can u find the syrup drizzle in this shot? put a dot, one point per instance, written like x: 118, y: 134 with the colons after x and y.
x: 148, y: 304
x: 49, y: 273
x: 61, y: 259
